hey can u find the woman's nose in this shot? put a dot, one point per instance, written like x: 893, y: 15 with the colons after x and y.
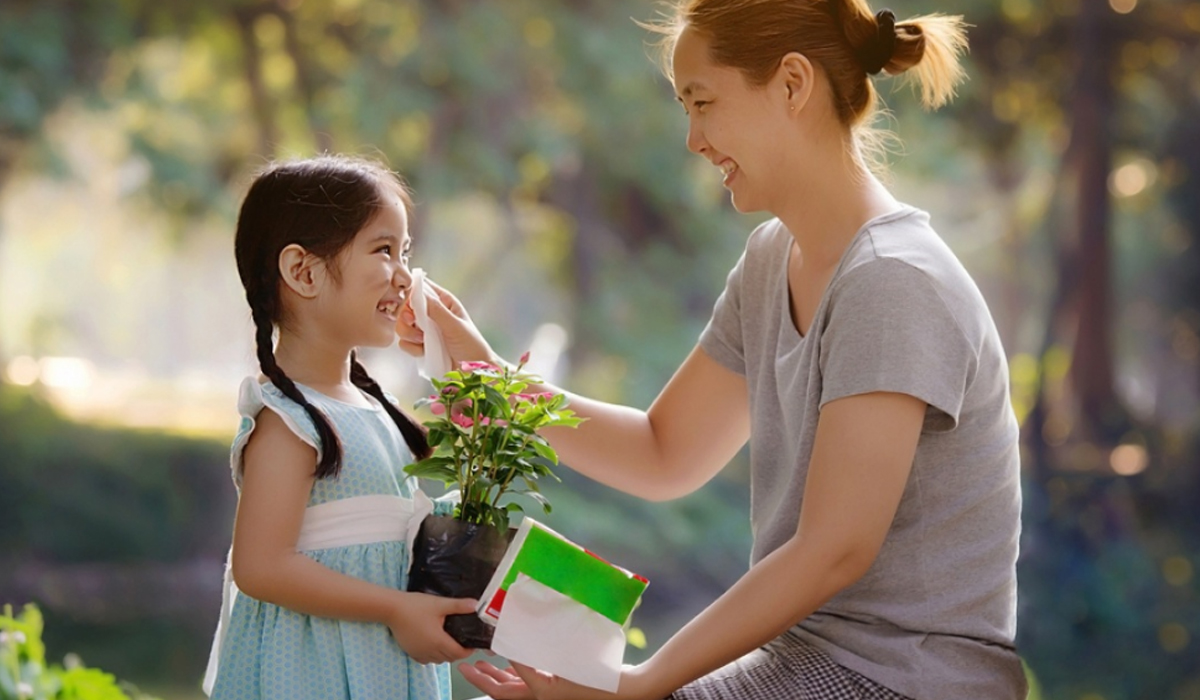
x: 695, y: 139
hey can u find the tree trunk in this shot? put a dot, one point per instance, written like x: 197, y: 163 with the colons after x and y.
x: 264, y: 110
x: 1089, y: 314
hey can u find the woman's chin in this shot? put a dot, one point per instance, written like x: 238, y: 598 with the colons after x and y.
x: 743, y: 204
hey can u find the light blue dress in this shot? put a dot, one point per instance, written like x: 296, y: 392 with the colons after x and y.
x: 272, y: 652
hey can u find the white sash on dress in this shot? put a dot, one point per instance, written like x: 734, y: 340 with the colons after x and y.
x: 341, y: 523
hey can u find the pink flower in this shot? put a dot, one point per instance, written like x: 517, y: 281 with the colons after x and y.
x: 457, y: 408
x: 532, y: 398
x: 525, y: 357
x: 472, y: 366
x: 462, y: 421
x: 499, y: 422
x: 447, y: 391
x: 437, y: 409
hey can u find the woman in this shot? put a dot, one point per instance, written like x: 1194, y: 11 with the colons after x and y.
x: 853, y: 351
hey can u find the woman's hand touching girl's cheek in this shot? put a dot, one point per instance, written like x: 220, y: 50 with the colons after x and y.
x: 462, y: 339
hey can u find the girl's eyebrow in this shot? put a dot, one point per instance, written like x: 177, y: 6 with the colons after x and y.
x: 390, y: 238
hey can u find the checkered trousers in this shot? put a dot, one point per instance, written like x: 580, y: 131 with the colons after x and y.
x: 787, y: 669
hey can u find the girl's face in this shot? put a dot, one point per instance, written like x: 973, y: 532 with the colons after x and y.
x: 734, y: 125
x: 363, y: 302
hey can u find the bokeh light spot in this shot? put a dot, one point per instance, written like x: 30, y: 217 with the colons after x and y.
x: 1128, y: 460
x: 1133, y: 178
x: 1177, y: 571
x: 1173, y: 637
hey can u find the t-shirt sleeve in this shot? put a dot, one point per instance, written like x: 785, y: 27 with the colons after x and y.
x: 890, y: 330
x: 722, y: 338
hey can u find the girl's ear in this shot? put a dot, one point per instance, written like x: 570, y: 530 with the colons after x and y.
x: 796, y: 76
x: 302, y: 272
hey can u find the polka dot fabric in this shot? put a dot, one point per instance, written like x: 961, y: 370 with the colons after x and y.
x: 272, y: 652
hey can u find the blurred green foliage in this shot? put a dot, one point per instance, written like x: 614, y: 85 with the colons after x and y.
x: 78, y: 493
x: 25, y: 674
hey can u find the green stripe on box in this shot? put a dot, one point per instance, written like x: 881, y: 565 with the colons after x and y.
x: 568, y: 569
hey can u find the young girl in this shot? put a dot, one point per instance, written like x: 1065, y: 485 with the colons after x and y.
x: 325, y: 515
x: 857, y: 357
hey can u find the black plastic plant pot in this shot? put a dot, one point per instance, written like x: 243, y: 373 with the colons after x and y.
x: 456, y: 560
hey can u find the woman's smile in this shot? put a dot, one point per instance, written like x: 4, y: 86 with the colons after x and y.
x: 729, y: 170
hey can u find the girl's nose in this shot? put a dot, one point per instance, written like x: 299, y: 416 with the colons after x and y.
x: 402, y: 277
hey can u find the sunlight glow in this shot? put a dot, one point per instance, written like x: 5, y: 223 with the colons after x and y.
x: 1123, y: 7
x: 23, y: 371
x: 66, y: 372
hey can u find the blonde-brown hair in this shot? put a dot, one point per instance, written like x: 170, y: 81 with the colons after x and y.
x: 843, y: 37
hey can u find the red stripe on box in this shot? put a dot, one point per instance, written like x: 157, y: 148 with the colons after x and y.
x: 496, y: 604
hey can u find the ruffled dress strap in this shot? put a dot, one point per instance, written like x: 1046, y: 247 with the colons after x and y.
x: 253, y: 397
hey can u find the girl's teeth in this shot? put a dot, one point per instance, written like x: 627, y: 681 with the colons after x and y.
x: 728, y: 167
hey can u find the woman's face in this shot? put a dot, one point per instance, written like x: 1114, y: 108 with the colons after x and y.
x: 737, y: 127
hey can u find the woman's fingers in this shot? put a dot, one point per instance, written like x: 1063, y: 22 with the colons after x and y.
x: 502, y: 685
x: 411, y: 339
x: 448, y: 300
x: 462, y: 339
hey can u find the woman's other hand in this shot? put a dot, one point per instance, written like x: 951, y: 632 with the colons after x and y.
x: 462, y: 339
x: 520, y: 682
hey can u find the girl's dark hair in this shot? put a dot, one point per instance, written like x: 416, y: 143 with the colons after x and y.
x: 319, y: 204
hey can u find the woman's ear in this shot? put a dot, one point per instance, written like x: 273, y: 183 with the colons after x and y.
x: 301, y: 271
x: 797, y: 76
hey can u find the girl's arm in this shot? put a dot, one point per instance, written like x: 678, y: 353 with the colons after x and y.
x: 276, y: 483
x: 691, y: 431
x: 861, y: 461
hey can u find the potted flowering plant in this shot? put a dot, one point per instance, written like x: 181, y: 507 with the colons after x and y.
x: 485, y: 444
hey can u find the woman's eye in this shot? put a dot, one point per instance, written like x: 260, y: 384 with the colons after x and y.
x: 699, y: 105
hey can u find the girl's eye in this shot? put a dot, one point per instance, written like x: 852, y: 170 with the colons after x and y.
x: 699, y: 105
x: 385, y: 249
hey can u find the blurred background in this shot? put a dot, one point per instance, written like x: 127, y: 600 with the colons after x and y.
x: 556, y: 197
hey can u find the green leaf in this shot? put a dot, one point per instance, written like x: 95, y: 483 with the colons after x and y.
x: 544, y: 449
x: 437, y: 468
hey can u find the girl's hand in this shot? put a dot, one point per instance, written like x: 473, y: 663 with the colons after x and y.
x: 520, y: 682
x: 417, y: 627
x: 463, y: 340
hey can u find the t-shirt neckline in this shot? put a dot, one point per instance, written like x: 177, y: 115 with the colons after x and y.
x: 887, y: 217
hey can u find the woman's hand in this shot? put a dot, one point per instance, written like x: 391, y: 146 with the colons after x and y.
x: 462, y: 339
x: 417, y: 627
x: 520, y: 682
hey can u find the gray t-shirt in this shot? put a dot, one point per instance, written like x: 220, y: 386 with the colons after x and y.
x: 935, y: 615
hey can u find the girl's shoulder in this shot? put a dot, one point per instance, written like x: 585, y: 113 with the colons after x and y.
x: 255, y: 395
